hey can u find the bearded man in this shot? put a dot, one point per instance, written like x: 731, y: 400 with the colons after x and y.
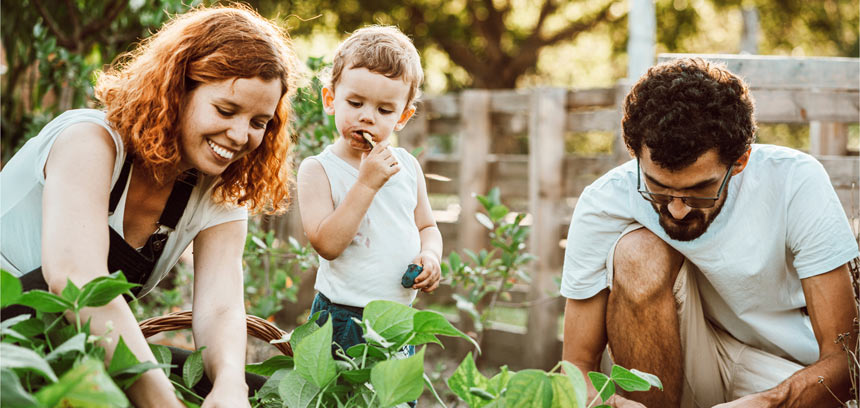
x: 717, y: 264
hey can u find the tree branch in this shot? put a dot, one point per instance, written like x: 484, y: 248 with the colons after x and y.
x: 62, y: 39
x: 115, y: 7
x: 73, y: 16
x: 579, y: 26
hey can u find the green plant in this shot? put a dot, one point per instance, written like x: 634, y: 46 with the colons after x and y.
x: 314, y: 129
x: 490, y: 275
x: 537, y: 388
x: 374, y: 374
x: 272, y: 269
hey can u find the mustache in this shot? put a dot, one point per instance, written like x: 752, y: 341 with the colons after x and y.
x: 691, y: 216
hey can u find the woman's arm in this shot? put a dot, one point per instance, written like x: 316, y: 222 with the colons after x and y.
x: 75, y: 244
x: 219, y: 311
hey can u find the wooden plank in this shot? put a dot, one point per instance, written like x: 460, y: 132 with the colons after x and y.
x: 546, y: 161
x: 828, y: 138
x: 801, y: 106
x: 443, y: 106
x: 474, y: 149
x: 602, y: 119
x: 593, y: 97
x: 778, y: 72
x: 509, y: 101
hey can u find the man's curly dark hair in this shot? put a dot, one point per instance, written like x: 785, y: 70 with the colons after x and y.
x: 686, y: 107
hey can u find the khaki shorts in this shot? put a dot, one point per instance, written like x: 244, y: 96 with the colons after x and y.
x: 717, y: 367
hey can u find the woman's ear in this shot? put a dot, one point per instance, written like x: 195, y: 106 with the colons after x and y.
x: 404, y: 117
x: 328, y: 100
x: 741, y: 163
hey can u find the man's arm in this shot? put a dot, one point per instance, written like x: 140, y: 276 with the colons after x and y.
x: 830, y: 302
x: 585, y: 339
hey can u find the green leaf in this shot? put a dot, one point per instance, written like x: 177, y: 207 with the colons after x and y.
x: 85, y: 385
x: 529, y: 388
x: 372, y: 337
x: 391, y: 320
x: 601, y: 382
x: 499, y: 381
x: 429, y: 322
x: 482, y: 394
x: 651, y: 378
x: 575, y: 380
x: 627, y: 380
x: 163, y: 356
x: 192, y: 370
x: 373, y: 353
x: 455, y: 261
x: 429, y: 384
x: 101, y: 290
x: 122, y: 358
x: 12, y: 356
x: 304, y: 330
x: 75, y: 344
x: 313, y: 357
x: 127, y: 376
x: 295, y: 391
x: 45, y: 302
x: 270, y: 387
x: 484, y: 220
x: 497, y: 212
x: 465, y: 377
x: 357, y: 376
x: 12, y: 394
x: 13, y: 321
x: 268, y: 367
x: 398, y: 381
x: 70, y: 292
x: 495, y: 195
x: 10, y: 289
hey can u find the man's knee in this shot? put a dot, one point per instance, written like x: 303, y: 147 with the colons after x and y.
x: 644, y: 266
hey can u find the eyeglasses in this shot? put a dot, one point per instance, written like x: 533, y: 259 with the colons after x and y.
x: 692, y: 202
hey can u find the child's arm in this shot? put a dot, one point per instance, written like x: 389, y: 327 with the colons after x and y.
x: 329, y: 229
x: 431, y: 239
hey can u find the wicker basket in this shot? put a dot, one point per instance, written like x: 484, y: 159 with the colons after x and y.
x: 257, y: 327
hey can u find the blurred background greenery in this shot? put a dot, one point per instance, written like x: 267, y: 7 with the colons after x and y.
x: 52, y: 48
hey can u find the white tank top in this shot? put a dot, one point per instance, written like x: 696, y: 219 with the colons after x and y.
x: 387, y: 241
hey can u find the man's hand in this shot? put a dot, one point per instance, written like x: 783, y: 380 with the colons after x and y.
x: 760, y: 400
x: 430, y: 276
x: 227, y: 395
x: 618, y: 401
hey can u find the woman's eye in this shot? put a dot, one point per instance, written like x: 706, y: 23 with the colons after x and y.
x: 223, y: 112
x: 354, y: 104
x: 258, y: 124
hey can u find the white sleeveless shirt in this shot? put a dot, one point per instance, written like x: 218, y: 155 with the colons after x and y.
x: 387, y: 241
x: 22, y: 181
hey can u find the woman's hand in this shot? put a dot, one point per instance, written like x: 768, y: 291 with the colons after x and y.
x: 428, y: 279
x: 228, y: 395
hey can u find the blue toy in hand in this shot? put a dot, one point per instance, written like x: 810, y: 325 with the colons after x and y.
x: 412, y: 272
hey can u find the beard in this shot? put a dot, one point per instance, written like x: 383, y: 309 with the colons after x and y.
x: 692, y: 226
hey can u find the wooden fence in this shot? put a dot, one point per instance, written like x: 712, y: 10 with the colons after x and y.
x: 544, y: 179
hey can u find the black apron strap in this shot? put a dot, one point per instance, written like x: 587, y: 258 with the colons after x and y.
x: 119, y: 187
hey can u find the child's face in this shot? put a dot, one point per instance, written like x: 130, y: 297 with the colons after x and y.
x: 365, y: 101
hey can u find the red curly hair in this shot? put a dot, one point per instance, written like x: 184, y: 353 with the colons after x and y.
x: 145, y: 90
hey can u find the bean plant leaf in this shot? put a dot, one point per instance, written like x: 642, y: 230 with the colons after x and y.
x: 373, y: 353
x: 651, y: 378
x: 163, y: 356
x: 429, y: 384
x: 270, y: 387
x: 12, y: 394
x: 45, y: 302
x: 573, y: 376
x: 10, y: 289
x: 481, y: 393
x: 85, y: 385
x: 399, y: 380
x: 497, y: 212
x: 75, y: 344
x: 371, y: 336
x: 627, y: 380
x: 603, y: 384
x: 70, y: 292
x: 304, y: 330
x: 13, y: 321
x: 313, y: 357
x: 499, y: 381
x: 268, y: 367
x: 296, y: 391
x: 392, y: 320
x: 529, y: 388
x: 122, y: 358
x: 465, y: 377
x: 101, y: 290
x: 192, y: 370
x: 12, y: 356
x: 357, y: 376
x: 432, y: 323
x: 484, y: 220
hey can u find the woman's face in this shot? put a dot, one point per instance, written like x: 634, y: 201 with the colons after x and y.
x: 223, y: 121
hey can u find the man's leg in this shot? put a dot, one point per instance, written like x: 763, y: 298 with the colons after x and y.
x: 641, y: 316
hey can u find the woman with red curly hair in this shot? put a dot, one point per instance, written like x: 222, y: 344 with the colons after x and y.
x: 193, y: 135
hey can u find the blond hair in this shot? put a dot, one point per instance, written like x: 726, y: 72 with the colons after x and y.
x: 384, y: 50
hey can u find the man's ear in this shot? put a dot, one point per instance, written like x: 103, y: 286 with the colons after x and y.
x: 407, y: 114
x: 328, y: 100
x: 741, y: 163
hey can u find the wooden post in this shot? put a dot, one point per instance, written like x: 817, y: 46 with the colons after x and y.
x: 474, y: 148
x: 619, y: 148
x: 749, y: 37
x: 828, y: 138
x: 414, y: 134
x: 642, y: 26
x: 547, y: 118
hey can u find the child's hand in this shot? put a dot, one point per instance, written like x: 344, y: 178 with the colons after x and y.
x: 377, y: 166
x: 429, y: 278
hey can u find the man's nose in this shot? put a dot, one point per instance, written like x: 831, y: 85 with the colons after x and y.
x: 678, y: 209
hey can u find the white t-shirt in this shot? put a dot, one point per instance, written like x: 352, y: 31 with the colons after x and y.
x: 371, y: 267
x: 22, y: 181
x: 781, y: 222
